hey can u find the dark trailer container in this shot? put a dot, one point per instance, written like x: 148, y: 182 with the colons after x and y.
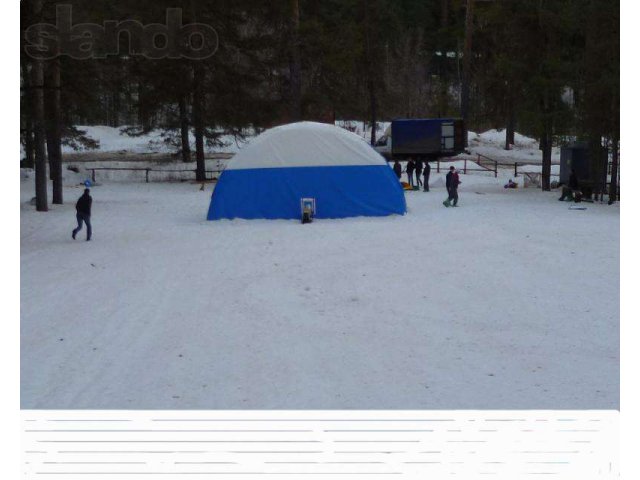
x: 426, y: 138
x: 431, y: 137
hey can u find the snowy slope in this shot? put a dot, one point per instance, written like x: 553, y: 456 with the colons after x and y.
x: 489, y: 143
x: 509, y: 302
x: 111, y: 139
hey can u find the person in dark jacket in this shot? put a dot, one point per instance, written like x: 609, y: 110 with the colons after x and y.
x: 419, y: 166
x: 453, y: 180
x: 397, y: 168
x: 425, y: 174
x: 568, y: 192
x: 411, y: 166
x: 83, y: 214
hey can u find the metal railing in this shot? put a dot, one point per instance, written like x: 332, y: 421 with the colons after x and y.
x: 488, y: 163
x: 147, y: 170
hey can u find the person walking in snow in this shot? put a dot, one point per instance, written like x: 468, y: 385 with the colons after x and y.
x: 411, y: 166
x: 453, y: 180
x: 418, y: 172
x: 426, y: 173
x: 83, y: 214
x: 397, y: 168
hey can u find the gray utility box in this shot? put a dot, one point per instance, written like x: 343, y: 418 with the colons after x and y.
x: 592, y: 175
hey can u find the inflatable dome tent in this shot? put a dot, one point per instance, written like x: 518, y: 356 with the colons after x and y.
x: 341, y: 172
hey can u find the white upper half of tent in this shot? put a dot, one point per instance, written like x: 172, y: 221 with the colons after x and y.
x: 305, y: 144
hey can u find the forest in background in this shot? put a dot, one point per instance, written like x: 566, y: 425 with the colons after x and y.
x: 548, y: 68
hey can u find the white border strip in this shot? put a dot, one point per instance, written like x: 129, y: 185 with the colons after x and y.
x: 319, y: 444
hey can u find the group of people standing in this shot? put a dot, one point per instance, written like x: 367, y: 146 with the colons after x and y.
x: 423, y: 169
x: 418, y: 167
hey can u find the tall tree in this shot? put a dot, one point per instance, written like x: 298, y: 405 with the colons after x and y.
x: 466, y: 67
x: 36, y: 89
x: 601, y: 87
x: 295, y: 73
x: 54, y: 128
x: 370, y: 66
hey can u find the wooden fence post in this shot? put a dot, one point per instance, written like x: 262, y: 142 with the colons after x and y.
x: 438, y: 169
x: 93, y: 175
x: 515, y: 167
x: 465, y: 166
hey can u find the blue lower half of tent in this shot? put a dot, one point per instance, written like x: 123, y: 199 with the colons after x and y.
x: 338, y: 191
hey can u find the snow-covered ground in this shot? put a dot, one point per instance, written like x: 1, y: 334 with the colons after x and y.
x: 508, y: 302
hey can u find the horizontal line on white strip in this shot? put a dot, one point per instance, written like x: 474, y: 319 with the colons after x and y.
x: 219, y: 473
x: 87, y: 420
x: 94, y: 463
x: 132, y: 451
x: 370, y: 431
x: 369, y: 451
x: 301, y: 420
x: 179, y: 441
x: 376, y: 441
x: 169, y: 431
x: 276, y: 451
x: 540, y: 451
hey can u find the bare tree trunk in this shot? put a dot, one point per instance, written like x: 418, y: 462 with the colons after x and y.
x: 54, y: 130
x: 613, y: 188
x: 184, y: 129
x: 443, y: 91
x: 295, y: 74
x: 444, y: 13
x: 198, y: 105
x: 371, y: 80
x: 28, y: 113
x: 28, y: 143
x: 37, y: 93
x: 546, y: 143
x: 598, y: 176
x: 546, y: 162
x: 466, y: 69
x: 144, y: 119
x: 511, y: 122
x: 115, y: 106
x: 198, y: 120
x: 373, y: 105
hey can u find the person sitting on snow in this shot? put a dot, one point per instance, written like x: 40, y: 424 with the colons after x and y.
x: 573, y: 188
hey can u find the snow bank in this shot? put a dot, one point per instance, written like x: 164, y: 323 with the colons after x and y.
x: 491, y: 144
x: 112, y: 139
